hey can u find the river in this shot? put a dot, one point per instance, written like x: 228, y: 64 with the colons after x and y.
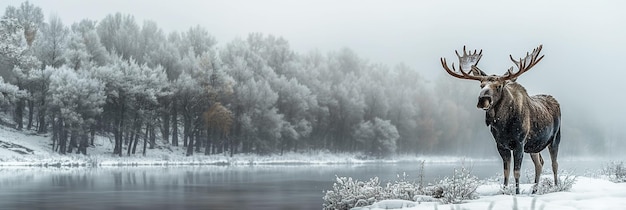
x: 212, y: 187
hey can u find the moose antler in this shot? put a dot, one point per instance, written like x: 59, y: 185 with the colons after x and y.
x: 467, y: 61
x: 525, y: 64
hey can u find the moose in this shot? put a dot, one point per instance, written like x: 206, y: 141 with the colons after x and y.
x: 518, y: 122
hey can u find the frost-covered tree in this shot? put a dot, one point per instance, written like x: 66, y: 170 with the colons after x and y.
x: 50, y: 46
x: 151, y: 38
x: 120, y: 33
x: 76, y: 55
x: 346, y: 110
x: 29, y: 16
x: 378, y: 137
x: 17, y: 61
x: 13, y: 47
x: 188, y: 93
x: 196, y: 40
x: 312, y: 72
x: 76, y: 99
x: 455, y: 105
x: 275, y: 51
x: 168, y: 58
x: 201, y: 84
x: 295, y: 101
x: 8, y: 94
x: 405, y: 95
x: 84, y: 33
x: 39, y: 90
x: 375, y: 92
x: 219, y: 120
x: 258, y: 122
x: 132, y: 90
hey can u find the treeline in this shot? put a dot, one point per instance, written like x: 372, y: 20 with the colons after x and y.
x: 142, y: 86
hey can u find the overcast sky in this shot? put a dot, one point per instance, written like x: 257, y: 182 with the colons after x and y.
x: 583, y: 41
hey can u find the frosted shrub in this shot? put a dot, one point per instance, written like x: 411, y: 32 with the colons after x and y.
x: 402, y: 189
x: 546, y: 185
x: 615, y: 171
x: 461, y: 186
x: 348, y: 193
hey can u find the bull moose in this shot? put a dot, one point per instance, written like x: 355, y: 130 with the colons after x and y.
x: 518, y: 122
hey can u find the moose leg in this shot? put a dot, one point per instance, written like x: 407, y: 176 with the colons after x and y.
x: 554, y: 151
x: 538, y: 161
x: 518, y: 155
x: 505, y: 154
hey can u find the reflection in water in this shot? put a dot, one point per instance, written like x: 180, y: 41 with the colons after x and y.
x: 200, y: 187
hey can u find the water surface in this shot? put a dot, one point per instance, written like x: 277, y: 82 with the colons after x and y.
x: 210, y: 187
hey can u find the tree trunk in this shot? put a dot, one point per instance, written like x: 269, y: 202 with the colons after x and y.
x: 190, y: 146
x: 174, y: 123
x: 63, y: 138
x: 92, y: 133
x: 118, y: 138
x: 73, y: 138
x: 83, y: 143
x: 55, y: 135
x: 119, y: 131
x: 19, y: 114
x: 207, y: 145
x: 136, y: 133
x: 199, y: 141
x: 135, y: 143
x: 295, y: 146
x: 186, y: 129
x: 127, y: 136
x: 31, y: 113
x: 165, y: 129
x: 152, y: 137
x: 282, y: 148
x: 232, y: 146
x: 145, y: 141
x: 42, y: 128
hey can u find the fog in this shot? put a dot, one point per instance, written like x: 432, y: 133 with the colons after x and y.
x: 583, y: 40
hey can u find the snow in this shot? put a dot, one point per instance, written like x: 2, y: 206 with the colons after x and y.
x: 24, y: 149
x: 586, y: 193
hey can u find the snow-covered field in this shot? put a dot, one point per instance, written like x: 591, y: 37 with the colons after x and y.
x: 586, y: 193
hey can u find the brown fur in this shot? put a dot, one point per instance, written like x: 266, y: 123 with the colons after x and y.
x: 518, y: 122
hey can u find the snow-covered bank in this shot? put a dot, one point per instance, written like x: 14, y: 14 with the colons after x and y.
x: 28, y: 149
x: 586, y: 193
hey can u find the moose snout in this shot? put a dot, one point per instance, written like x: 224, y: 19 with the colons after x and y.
x: 485, y: 98
x: 484, y: 102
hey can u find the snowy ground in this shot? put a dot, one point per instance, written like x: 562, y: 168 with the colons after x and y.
x: 586, y: 193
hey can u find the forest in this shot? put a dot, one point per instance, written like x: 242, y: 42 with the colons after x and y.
x: 142, y: 86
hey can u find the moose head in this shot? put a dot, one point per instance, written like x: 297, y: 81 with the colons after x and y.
x: 491, y: 85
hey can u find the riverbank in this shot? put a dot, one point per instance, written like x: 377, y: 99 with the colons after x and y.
x: 23, y: 148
